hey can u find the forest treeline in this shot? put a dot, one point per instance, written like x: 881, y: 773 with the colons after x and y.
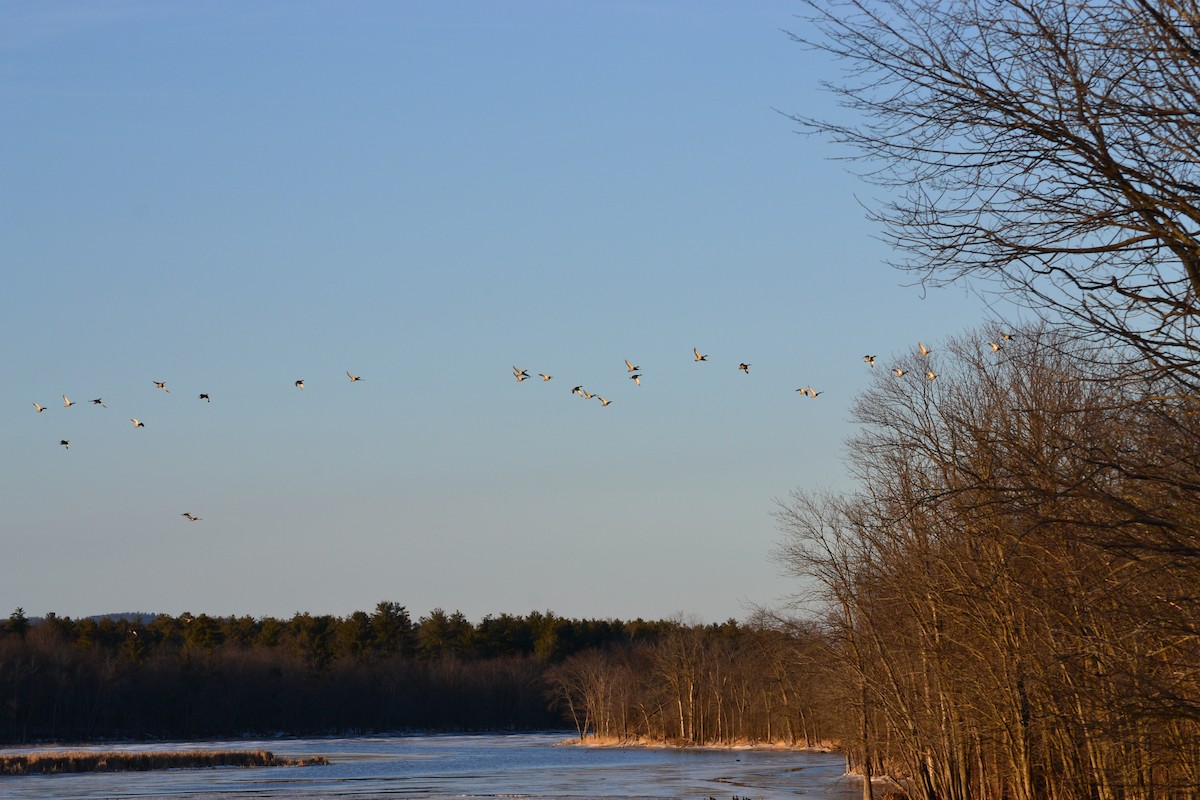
x: 197, y: 675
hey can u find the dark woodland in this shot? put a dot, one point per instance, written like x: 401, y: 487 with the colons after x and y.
x: 136, y: 676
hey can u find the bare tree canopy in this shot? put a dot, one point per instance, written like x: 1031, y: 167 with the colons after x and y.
x: 1050, y: 147
x: 1011, y: 591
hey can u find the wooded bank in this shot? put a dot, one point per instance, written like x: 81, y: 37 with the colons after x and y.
x: 1011, y: 589
x: 693, y: 686
x: 1010, y: 598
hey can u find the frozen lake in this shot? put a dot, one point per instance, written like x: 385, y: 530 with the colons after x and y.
x: 463, y: 767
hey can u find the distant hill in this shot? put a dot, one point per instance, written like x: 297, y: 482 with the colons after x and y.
x: 140, y: 617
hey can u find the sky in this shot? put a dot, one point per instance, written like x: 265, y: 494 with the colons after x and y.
x: 228, y: 197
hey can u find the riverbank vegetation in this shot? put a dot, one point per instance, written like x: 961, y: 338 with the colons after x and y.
x: 120, y: 761
x: 764, y: 683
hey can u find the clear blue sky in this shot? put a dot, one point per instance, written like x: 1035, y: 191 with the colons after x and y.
x: 230, y: 196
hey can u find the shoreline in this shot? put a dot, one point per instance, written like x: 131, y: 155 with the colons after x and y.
x: 232, y: 741
x: 636, y: 743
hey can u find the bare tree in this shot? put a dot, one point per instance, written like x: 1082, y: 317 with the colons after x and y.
x: 1052, y: 147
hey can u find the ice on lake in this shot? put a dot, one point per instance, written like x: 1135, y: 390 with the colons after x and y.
x: 461, y: 766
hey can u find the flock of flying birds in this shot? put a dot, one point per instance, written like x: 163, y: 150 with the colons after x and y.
x: 635, y: 375
x: 635, y: 372
x: 99, y: 401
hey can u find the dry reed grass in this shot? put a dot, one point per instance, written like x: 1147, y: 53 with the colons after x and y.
x: 591, y: 740
x: 84, y: 761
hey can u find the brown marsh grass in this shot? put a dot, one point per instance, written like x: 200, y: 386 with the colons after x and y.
x: 84, y: 761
